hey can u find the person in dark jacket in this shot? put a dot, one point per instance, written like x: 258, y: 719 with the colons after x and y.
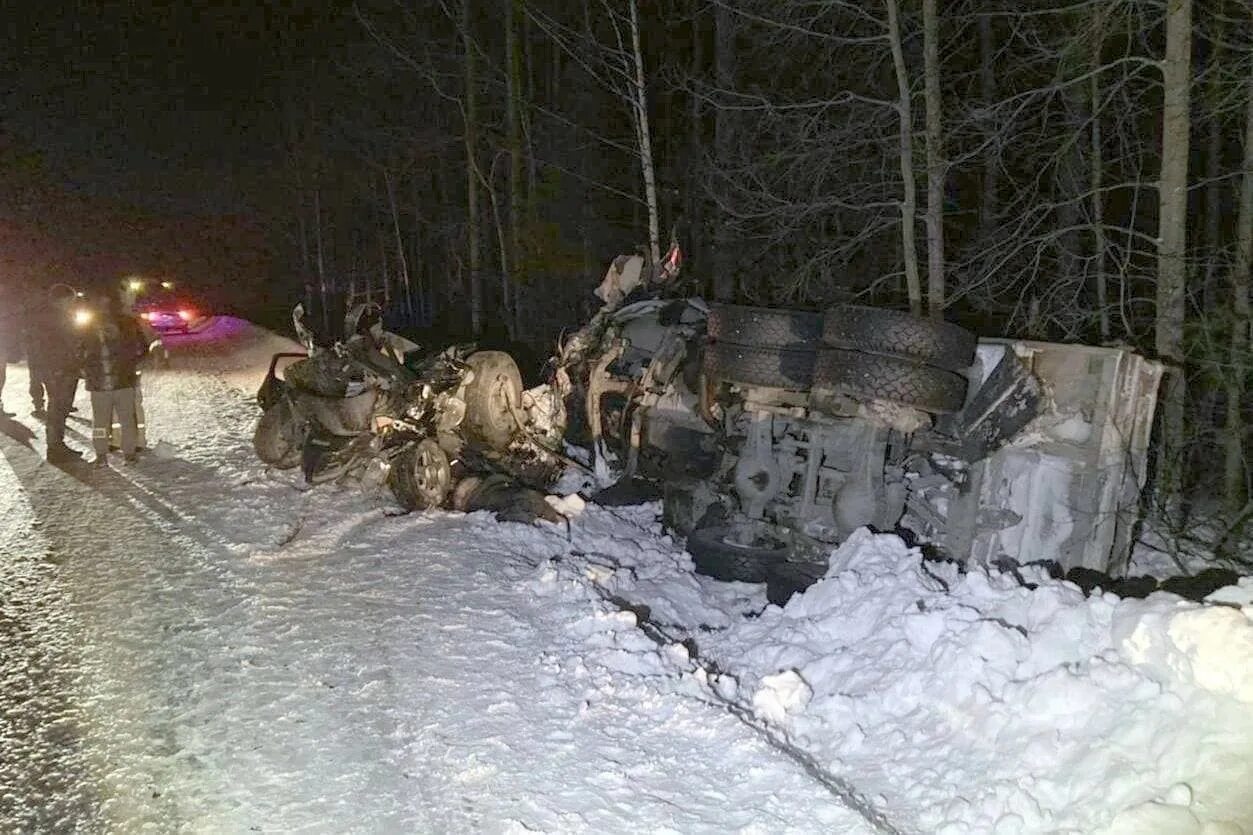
x: 111, y: 349
x: 52, y: 351
x: 10, y: 338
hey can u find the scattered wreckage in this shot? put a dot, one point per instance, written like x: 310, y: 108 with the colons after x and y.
x: 448, y: 427
x: 771, y: 434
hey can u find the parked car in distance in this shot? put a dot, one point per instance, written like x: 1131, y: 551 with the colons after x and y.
x: 168, y: 311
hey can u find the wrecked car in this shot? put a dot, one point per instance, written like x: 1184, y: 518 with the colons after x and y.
x: 773, y: 434
x: 445, y: 427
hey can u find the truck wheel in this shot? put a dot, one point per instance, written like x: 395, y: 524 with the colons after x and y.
x: 789, y: 578
x: 277, y: 437
x: 497, y: 386
x: 764, y: 327
x: 751, y: 365
x: 421, y: 477
x: 881, y: 331
x: 880, y: 377
x: 716, y: 554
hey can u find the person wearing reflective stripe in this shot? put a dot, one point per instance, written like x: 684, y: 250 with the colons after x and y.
x: 156, y: 349
x: 111, y: 349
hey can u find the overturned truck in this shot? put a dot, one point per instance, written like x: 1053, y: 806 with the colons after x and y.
x: 776, y: 433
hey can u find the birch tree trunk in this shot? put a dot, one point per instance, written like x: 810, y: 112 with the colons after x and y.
x: 1234, y: 468
x: 645, y: 140
x: 1096, y: 161
x: 989, y: 204
x: 1172, y: 235
x: 724, y: 77
x: 909, y: 202
x: 386, y: 270
x: 321, y: 260
x: 1213, y: 163
x: 517, y: 168
x: 475, y: 254
x: 935, y: 161
x: 694, y: 245
x: 402, y: 260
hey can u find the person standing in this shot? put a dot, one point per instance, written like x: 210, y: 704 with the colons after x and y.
x: 111, y: 350
x: 10, y: 339
x: 52, y: 350
x: 155, y: 347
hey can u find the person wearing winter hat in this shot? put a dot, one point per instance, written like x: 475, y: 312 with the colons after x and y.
x: 52, y: 352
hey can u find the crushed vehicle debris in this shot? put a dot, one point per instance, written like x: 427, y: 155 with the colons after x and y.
x: 376, y: 408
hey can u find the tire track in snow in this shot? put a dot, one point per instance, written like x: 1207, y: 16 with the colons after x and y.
x: 395, y: 675
x: 708, y: 672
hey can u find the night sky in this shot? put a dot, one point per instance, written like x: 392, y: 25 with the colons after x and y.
x: 147, y: 137
x: 161, y: 104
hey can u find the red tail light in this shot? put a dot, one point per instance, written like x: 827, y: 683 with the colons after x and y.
x: 186, y: 315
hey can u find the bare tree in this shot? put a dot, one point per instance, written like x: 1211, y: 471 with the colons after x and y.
x: 936, y: 166
x: 909, y: 199
x: 724, y: 284
x: 1235, y: 477
x: 644, y: 138
x: 1172, y: 236
x: 470, y: 119
x: 514, y: 105
x: 1096, y: 173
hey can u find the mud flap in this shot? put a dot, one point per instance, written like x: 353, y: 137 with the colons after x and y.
x: 1007, y: 401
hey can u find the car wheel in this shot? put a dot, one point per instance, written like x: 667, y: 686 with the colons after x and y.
x: 717, y: 554
x: 492, y: 398
x: 880, y: 331
x: 751, y: 365
x: 765, y: 327
x: 421, y: 477
x: 895, y: 379
x: 277, y: 438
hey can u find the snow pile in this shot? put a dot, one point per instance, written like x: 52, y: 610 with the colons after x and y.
x: 972, y: 703
x: 968, y: 702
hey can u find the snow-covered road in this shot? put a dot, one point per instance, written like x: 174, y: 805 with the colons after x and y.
x: 195, y: 644
x: 191, y: 644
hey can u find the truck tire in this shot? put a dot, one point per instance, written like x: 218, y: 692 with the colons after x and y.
x: 765, y: 327
x: 881, y: 331
x: 881, y: 377
x: 497, y: 385
x: 717, y: 557
x: 277, y: 437
x: 789, y: 578
x: 752, y: 365
x: 421, y: 477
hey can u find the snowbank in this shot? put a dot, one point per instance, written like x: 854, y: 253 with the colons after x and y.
x: 968, y: 702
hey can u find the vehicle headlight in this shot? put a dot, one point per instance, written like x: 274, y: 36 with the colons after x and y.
x: 83, y: 317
